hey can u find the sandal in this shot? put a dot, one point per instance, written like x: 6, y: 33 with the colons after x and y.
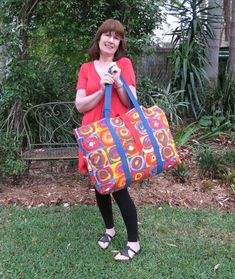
x: 125, y: 252
x: 106, y: 238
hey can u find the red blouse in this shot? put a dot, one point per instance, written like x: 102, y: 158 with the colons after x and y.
x: 89, y: 79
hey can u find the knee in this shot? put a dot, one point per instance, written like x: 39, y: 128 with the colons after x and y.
x: 120, y: 195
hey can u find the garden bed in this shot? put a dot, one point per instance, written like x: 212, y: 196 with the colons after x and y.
x: 63, y: 185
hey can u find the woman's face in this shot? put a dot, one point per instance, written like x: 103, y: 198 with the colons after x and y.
x: 109, y: 43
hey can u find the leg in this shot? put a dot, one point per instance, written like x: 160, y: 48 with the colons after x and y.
x: 105, y: 206
x: 129, y: 214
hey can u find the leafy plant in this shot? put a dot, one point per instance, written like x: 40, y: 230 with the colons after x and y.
x: 10, y: 163
x: 145, y: 89
x: 149, y: 93
x: 169, y: 101
x: 185, y: 134
x: 181, y: 172
x: 188, y: 57
x: 215, y: 124
x: 220, y: 100
x: 210, y: 163
x: 214, y: 164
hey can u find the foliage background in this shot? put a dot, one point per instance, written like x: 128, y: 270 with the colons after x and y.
x: 47, y: 46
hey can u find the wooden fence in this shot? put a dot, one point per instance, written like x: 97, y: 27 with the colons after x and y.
x: 156, y: 66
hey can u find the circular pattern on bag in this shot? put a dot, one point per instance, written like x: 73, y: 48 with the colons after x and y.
x: 113, y: 154
x: 98, y: 159
x: 162, y: 138
x: 91, y: 143
x: 148, y: 112
x: 139, y: 175
x: 130, y: 148
x: 118, y: 170
x: 106, y: 138
x: 117, y: 122
x: 169, y: 164
x: 167, y: 152
x: 101, y: 124
x: 105, y: 189
x: 155, y: 123
x: 157, y: 110
x: 133, y: 115
x: 137, y: 163
x: 104, y: 175
x: 86, y: 130
x: 124, y: 134
x: 150, y: 159
x: 139, y: 126
x: 121, y: 182
x: 147, y: 144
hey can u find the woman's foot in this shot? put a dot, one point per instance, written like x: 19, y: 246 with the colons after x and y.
x: 128, y: 252
x: 105, y: 240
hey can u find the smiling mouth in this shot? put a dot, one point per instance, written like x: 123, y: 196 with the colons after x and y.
x: 109, y: 46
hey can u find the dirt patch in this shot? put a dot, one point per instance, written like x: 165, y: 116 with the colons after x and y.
x: 44, y: 186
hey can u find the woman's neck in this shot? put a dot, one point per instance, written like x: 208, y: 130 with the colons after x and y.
x: 105, y: 59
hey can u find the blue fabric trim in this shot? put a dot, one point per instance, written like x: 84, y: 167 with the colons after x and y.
x: 120, y: 150
x: 107, y: 101
x: 146, y: 125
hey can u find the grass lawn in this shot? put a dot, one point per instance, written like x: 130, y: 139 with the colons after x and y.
x: 60, y: 242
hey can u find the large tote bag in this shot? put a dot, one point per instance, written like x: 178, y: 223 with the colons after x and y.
x: 128, y: 148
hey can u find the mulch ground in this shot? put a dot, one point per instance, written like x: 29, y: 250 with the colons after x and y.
x: 46, y: 185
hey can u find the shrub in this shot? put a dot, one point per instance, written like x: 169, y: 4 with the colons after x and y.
x: 149, y: 93
x: 214, y: 164
x: 10, y: 163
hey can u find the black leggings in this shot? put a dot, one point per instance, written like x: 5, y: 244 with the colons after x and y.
x: 127, y: 208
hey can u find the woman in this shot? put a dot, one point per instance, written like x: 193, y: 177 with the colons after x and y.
x: 107, y: 49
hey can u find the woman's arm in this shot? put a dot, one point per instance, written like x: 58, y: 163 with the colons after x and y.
x: 85, y: 103
x: 123, y: 94
x: 116, y: 71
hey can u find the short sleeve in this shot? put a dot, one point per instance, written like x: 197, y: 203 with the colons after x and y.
x: 82, y: 77
x: 127, y: 71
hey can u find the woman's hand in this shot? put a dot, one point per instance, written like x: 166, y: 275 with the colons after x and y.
x: 106, y: 79
x: 116, y: 71
x: 114, y: 77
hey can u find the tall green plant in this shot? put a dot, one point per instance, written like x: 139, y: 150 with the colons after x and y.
x: 220, y: 100
x: 167, y: 98
x: 10, y: 162
x: 189, y: 40
x: 169, y: 101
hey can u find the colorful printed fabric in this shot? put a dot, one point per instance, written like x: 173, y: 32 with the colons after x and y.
x: 102, y: 157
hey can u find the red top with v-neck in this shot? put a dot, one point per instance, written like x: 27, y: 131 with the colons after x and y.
x: 89, y: 79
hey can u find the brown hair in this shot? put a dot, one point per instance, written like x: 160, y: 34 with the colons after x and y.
x: 109, y: 25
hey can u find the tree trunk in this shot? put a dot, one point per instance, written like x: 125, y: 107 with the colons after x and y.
x: 232, y: 45
x: 23, y: 21
x: 213, y: 44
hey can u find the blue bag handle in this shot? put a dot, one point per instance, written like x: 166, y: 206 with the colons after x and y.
x: 120, y: 150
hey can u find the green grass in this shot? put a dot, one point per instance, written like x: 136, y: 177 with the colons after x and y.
x: 60, y: 242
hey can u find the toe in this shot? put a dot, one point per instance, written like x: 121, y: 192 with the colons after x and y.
x: 103, y: 245
x: 120, y: 257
